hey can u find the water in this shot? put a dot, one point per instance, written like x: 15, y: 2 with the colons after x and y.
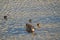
x: 19, y: 12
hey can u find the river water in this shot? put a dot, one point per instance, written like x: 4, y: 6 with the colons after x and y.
x: 45, y: 12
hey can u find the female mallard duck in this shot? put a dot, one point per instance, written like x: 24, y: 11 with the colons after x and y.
x: 29, y: 28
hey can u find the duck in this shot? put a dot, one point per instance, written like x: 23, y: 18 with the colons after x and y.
x: 5, y: 17
x: 38, y: 25
x: 30, y: 27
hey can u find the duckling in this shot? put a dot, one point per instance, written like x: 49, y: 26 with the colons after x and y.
x: 38, y: 25
x: 5, y: 17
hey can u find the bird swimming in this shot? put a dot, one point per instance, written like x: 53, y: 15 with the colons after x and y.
x: 5, y: 17
x: 38, y: 25
x: 30, y: 27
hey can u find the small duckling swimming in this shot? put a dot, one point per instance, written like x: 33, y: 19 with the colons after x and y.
x: 38, y: 25
x: 5, y: 17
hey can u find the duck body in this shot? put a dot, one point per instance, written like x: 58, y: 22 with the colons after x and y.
x: 29, y: 28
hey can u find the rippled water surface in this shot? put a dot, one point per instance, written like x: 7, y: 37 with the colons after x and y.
x: 45, y: 12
